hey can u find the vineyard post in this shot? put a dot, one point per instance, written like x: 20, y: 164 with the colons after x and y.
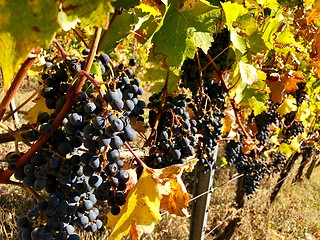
x: 200, y: 206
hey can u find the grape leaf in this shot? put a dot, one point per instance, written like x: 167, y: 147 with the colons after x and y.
x: 270, y: 27
x: 66, y: 24
x: 89, y: 12
x: 156, y: 75
x: 24, y: 25
x: 248, y: 73
x: 170, y: 39
x: 276, y: 89
x: 238, y: 41
x: 142, y: 207
x: 232, y: 11
x: 291, y: 79
x: 121, y: 28
x: 96, y: 70
x: 288, y: 105
x: 40, y: 106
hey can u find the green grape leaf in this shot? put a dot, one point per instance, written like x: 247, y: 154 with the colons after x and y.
x: 248, y: 73
x: 120, y: 29
x: 256, y: 43
x: 257, y: 106
x: 24, y: 25
x: 232, y: 11
x: 271, y: 26
x: 156, y: 75
x: 203, y: 40
x: 286, y: 36
x: 89, y: 12
x: 238, y: 41
x: 170, y: 39
x: 247, y: 24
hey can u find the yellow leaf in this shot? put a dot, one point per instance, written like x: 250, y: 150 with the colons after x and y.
x: 142, y: 208
x: 285, y: 149
x: 40, y: 106
x: 295, y: 144
x: 303, y: 112
x: 23, y: 26
x: 288, y: 105
x: 155, y: 188
x: 154, y: 11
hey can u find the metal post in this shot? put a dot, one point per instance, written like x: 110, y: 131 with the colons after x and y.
x: 200, y: 206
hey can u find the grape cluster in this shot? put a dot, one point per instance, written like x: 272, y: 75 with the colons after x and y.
x: 263, y: 122
x: 292, y: 126
x: 253, y: 169
x: 175, y: 140
x: 208, y: 105
x: 279, y: 161
x: 300, y: 94
x: 80, y: 165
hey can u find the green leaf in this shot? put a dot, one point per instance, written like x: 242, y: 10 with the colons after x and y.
x: 120, y: 29
x: 89, y: 12
x: 290, y: 104
x: 24, y: 25
x: 257, y: 106
x: 156, y: 75
x: 248, y: 73
x: 232, y: 11
x: 256, y: 43
x: 238, y: 41
x: 171, y: 41
x: 286, y: 36
x: 271, y: 26
x: 203, y: 40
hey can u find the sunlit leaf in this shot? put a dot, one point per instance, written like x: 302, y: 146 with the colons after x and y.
x: 155, y: 188
x: 170, y: 39
x: 40, y: 106
x: 23, y: 26
x: 288, y: 105
x: 248, y: 73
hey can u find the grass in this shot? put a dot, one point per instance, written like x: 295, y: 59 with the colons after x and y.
x: 294, y: 215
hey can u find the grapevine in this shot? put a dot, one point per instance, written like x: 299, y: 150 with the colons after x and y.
x: 169, y: 81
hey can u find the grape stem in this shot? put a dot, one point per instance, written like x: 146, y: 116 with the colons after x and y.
x: 94, y: 82
x: 135, y: 155
x: 222, y: 78
x: 75, y: 30
x: 5, y: 176
x: 17, y: 82
x: 164, y: 94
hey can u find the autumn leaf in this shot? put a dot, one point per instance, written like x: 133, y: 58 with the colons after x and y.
x: 289, y: 105
x: 291, y: 79
x: 155, y: 188
x: 276, y: 88
x: 228, y: 122
x: 40, y: 106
